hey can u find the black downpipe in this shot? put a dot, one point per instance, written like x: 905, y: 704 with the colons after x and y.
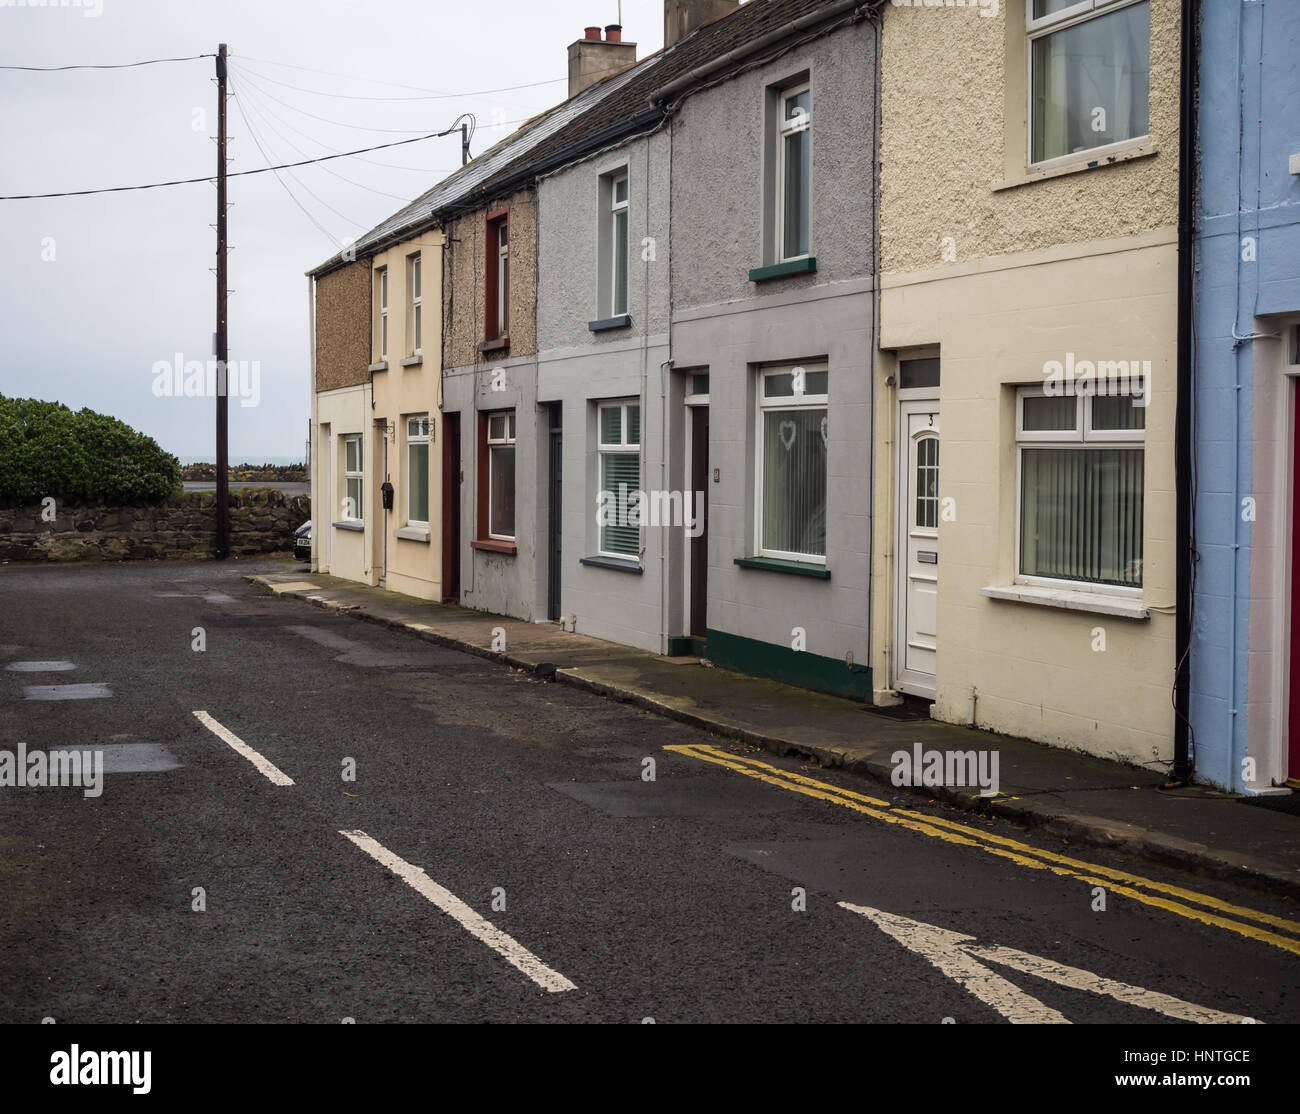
x: 1184, y: 467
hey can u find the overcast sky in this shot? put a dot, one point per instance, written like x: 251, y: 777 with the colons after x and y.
x: 97, y: 290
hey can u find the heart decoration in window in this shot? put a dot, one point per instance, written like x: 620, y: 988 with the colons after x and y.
x: 787, y: 432
x: 824, y: 433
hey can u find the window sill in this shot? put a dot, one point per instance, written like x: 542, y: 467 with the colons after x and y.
x: 413, y: 534
x: 795, y: 568
x: 1096, y: 603
x: 355, y: 527
x: 1140, y: 150
x: 777, y: 270
x: 413, y: 361
x: 619, y: 321
x: 382, y: 365
x: 497, y: 344
x: 490, y: 545
x: 615, y: 563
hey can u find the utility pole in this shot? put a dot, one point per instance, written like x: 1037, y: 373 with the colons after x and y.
x: 222, y: 353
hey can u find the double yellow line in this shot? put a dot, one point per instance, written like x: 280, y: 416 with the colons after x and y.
x: 1212, y: 911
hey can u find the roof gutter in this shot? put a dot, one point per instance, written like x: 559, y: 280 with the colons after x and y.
x: 702, y: 73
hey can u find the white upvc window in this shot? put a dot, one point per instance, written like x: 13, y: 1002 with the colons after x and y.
x: 503, y: 278
x: 353, y: 477
x: 382, y: 283
x: 501, y: 475
x: 793, y: 173
x: 413, y: 281
x: 1089, y: 68
x: 618, y: 431
x: 618, y: 245
x: 790, y: 473
x: 1079, y: 508
x: 417, y: 470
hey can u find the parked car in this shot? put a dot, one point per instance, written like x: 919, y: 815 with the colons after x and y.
x: 302, y: 542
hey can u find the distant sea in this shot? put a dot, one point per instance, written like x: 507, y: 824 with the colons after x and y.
x: 244, y: 458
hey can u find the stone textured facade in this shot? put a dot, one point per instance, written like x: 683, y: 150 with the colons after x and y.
x: 343, y: 327
x: 262, y: 520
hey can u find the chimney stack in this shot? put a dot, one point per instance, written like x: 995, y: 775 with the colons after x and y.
x: 681, y: 17
x: 592, y: 59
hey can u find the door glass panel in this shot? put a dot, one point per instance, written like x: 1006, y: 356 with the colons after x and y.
x: 927, y: 483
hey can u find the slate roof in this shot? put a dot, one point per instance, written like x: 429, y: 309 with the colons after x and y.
x: 598, y: 110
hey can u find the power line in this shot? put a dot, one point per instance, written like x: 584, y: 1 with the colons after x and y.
x: 212, y: 178
x: 120, y: 66
x: 431, y: 96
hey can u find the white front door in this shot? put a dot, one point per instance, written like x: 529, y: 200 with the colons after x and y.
x: 918, y: 550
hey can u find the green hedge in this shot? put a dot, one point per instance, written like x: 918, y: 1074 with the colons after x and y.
x: 78, y: 456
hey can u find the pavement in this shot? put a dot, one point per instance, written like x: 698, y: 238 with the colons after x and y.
x: 1068, y: 794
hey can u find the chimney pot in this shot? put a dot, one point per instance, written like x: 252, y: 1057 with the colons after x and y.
x: 591, y: 34
x: 614, y: 33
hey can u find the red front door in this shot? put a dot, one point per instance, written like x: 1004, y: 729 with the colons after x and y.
x: 1293, y: 749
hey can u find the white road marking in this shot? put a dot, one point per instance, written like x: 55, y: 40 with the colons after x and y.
x: 272, y: 772
x: 39, y: 666
x: 957, y: 956
x: 506, y: 946
x: 1085, y: 980
x: 66, y: 692
x: 947, y: 952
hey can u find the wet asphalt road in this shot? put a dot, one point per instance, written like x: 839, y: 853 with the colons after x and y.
x: 669, y: 900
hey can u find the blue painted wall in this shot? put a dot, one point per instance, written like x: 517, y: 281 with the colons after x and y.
x: 1249, y: 126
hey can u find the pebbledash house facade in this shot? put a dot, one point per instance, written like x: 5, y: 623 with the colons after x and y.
x: 796, y: 347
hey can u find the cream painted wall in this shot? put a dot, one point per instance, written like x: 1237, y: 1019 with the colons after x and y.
x: 1003, y: 269
x: 339, y: 552
x: 413, y: 565
x: 1028, y: 669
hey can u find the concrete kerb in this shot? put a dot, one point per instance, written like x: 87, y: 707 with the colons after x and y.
x: 1095, y: 831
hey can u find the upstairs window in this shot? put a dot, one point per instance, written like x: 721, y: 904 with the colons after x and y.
x: 498, y: 278
x: 381, y: 283
x: 793, y: 173
x: 618, y: 245
x: 1089, y: 63
x: 413, y: 285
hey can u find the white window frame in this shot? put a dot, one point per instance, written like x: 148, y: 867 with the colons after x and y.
x: 785, y: 128
x: 415, y: 286
x: 420, y: 423
x: 508, y: 438
x: 503, y: 276
x: 624, y: 447
x: 382, y: 277
x: 1080, y: 12
x: 358, y: 475
x: 616, y: 208
x: 1083, y: 436
x: 785, y: 402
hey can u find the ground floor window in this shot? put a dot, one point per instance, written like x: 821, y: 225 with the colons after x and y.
x: 619, y: 448
x: 501, y: 475
x: 417, y: 470
x: 352, y: 478
x: 790, y: 484
x: 1082, y: 471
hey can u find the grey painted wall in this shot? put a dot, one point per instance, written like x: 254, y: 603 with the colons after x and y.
x: 579, y: 368
x: 730, y: 326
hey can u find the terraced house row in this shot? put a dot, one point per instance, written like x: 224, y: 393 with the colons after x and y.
x: 842, y: 342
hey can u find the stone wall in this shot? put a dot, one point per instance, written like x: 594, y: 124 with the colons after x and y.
x: 262, y: 520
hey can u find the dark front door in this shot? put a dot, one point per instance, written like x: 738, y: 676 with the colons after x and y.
x: 700, y: 546
x: 554, y: 515
x: 451, y: 485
